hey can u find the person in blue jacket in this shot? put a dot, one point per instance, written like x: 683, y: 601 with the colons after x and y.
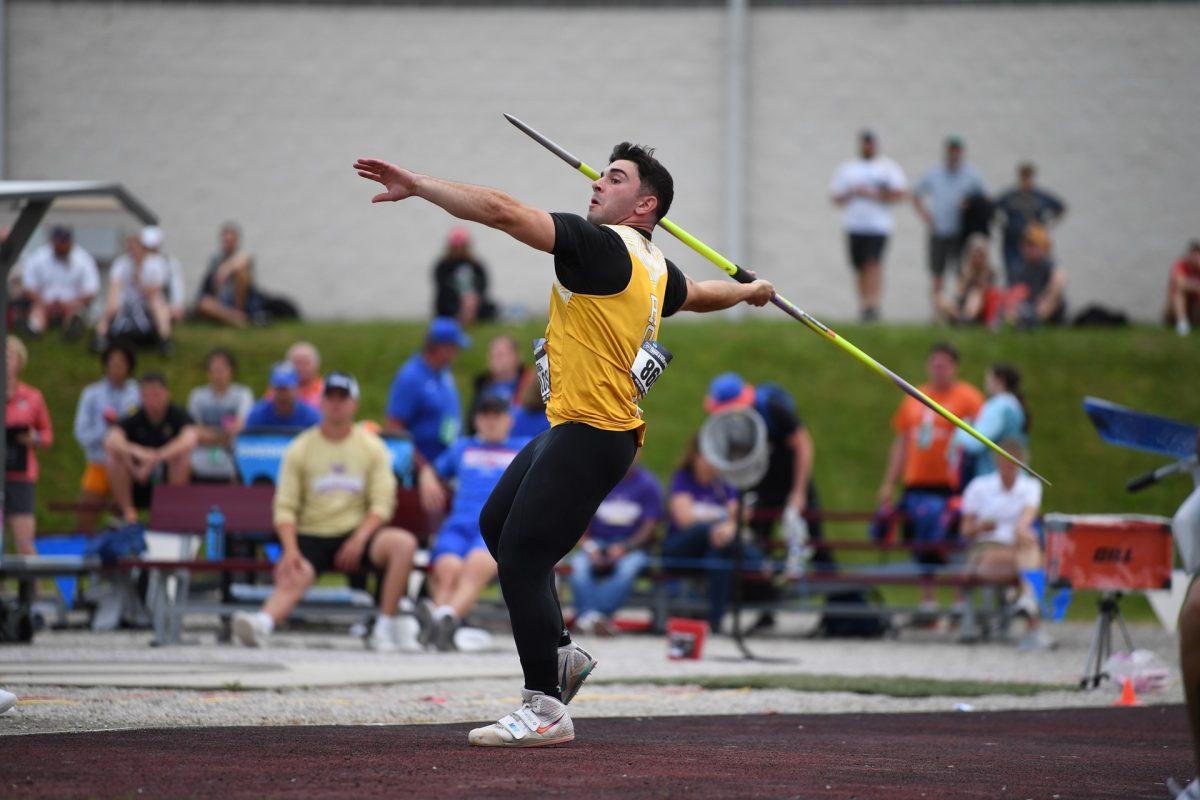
x: 1004, y: 415
x: 460, y: 565
x: 284, y: 409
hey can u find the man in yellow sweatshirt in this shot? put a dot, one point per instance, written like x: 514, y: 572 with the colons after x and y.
x: 335, y: 494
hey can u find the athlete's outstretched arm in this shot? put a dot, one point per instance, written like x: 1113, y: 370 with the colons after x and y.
x: 716, y: 295
x: 480, y: 204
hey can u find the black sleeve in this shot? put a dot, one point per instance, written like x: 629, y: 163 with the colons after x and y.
x: 179, y: 417
x: 129, y: 424
x: 589, y: 258
x: 786, y: 420
x: 676, y: 293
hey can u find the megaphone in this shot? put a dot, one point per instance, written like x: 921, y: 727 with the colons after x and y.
x: 735, y: 443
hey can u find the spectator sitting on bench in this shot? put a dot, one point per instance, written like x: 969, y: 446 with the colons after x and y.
x: 219, y: 409
x: 305, y: 359
x: 613, y: 551
x: 283, y: 409
x: 100, y: 406
x: 700, y: 510
x: 919, y: 454
x: 335, y: 495
x: 27, y: 422
x: 460, y: 565
x: 999, y: 510
x: 157, y: 438
x: 423, y: 399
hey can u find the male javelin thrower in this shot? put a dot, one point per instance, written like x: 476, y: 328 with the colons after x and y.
x: 599, y: 357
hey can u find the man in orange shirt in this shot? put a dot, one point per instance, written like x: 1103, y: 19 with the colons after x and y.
x: 920, y: 451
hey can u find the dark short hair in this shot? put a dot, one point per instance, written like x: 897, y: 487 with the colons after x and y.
x: 654, y: 176
x: 947, y: 348
x: 1026, y: 168
x: 153, y: 377
x: 123, y: 349
x: 220, y: 352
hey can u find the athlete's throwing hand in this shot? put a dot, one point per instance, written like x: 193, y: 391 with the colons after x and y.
x: 400, y: 183
x: 759, y: 293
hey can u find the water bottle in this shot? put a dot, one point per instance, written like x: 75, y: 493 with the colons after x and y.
x: 214, y: 534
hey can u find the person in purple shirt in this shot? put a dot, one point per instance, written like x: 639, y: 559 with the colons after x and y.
x: 612, y: 554
x: 283, y: 409
x: 701, y: 511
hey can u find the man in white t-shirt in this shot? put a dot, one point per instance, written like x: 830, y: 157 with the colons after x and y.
x: 999, y: 510
x: 863, y: 188
x: 136, y: 309
x: 60, y: 280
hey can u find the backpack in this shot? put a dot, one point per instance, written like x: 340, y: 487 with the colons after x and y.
x: 117, y: 543
x: 868, y: 620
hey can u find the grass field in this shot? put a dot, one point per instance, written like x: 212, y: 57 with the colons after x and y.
x: 846, y: 406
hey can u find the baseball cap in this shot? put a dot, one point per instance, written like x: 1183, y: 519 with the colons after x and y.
x: 954, y: 140
x: 867, y: 135
x: 151, y: 236
x: 60, y: 233
x: 458, y: 237
x: 491, y: 404
x: 446, y: 330
x: 728, y: 390
x: 1194, y: 245
x: 342, y: 381
x: 283, y: 376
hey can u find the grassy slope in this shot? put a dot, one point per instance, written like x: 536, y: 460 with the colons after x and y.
x: 846, y: 406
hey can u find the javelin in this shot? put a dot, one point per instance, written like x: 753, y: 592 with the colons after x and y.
x: 742, y: 276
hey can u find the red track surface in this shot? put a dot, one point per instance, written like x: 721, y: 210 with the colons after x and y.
x: 1089, y: 753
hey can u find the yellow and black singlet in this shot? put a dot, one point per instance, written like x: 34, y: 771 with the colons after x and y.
x: 612, y: 289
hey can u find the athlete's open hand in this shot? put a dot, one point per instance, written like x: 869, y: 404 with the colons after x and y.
x: 759, y: 293
x: 400, y: 183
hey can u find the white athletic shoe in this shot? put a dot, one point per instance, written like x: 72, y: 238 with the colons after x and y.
x: 407, y: 634
x: 383, y: 636
x: 540, y: 721
x: 7, y: 701
x: 574, y: 666
x: 1182, y: 327
x: 249, y: 629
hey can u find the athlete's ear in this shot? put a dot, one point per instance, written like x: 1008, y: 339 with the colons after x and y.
x: 646, y: 204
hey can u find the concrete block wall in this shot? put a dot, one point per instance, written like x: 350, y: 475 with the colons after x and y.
x: 255, y: 113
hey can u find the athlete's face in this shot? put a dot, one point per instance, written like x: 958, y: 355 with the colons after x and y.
x: 617, y: 195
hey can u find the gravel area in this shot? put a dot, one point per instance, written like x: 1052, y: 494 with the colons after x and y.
x: 74, y: 680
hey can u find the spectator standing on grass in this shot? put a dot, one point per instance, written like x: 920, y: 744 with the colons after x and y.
x: 27, y: 425
x: 918, y: 456
x: 460, y: 563
x: 940, y: 198
x: 865, y: 188
x: 1183, y: 291
x: 100, y: 406
x: 227, y: 292
x: 335, y: 495
x: 505, y: 377
x: 978, y: 298
x: 60, y: 281
x: 614, y: 551
x: 219, y: 410
x: 151, y: 445
x: 1038, y: 293
x: 283, y: 409
x: 999, y: 510
x: 1021, y: 206
x: 460, y: 282
x: 136, y: 309
x: 423, y: 400
x: 701, y: 509
x: 1003, y: 416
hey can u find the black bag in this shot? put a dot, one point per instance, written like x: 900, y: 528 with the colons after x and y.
x: 279, y: 307
x: 859, y: 615
x: 1101, y: 317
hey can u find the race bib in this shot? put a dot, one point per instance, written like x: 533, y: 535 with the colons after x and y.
x: 648, y: 366
x: 541, y: 368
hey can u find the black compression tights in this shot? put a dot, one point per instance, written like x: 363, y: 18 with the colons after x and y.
x: 535, y: 515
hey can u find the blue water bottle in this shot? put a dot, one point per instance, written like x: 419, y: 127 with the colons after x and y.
x: 214, y: 534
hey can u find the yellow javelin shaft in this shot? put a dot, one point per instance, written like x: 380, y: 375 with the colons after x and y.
x: 812, y: 323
